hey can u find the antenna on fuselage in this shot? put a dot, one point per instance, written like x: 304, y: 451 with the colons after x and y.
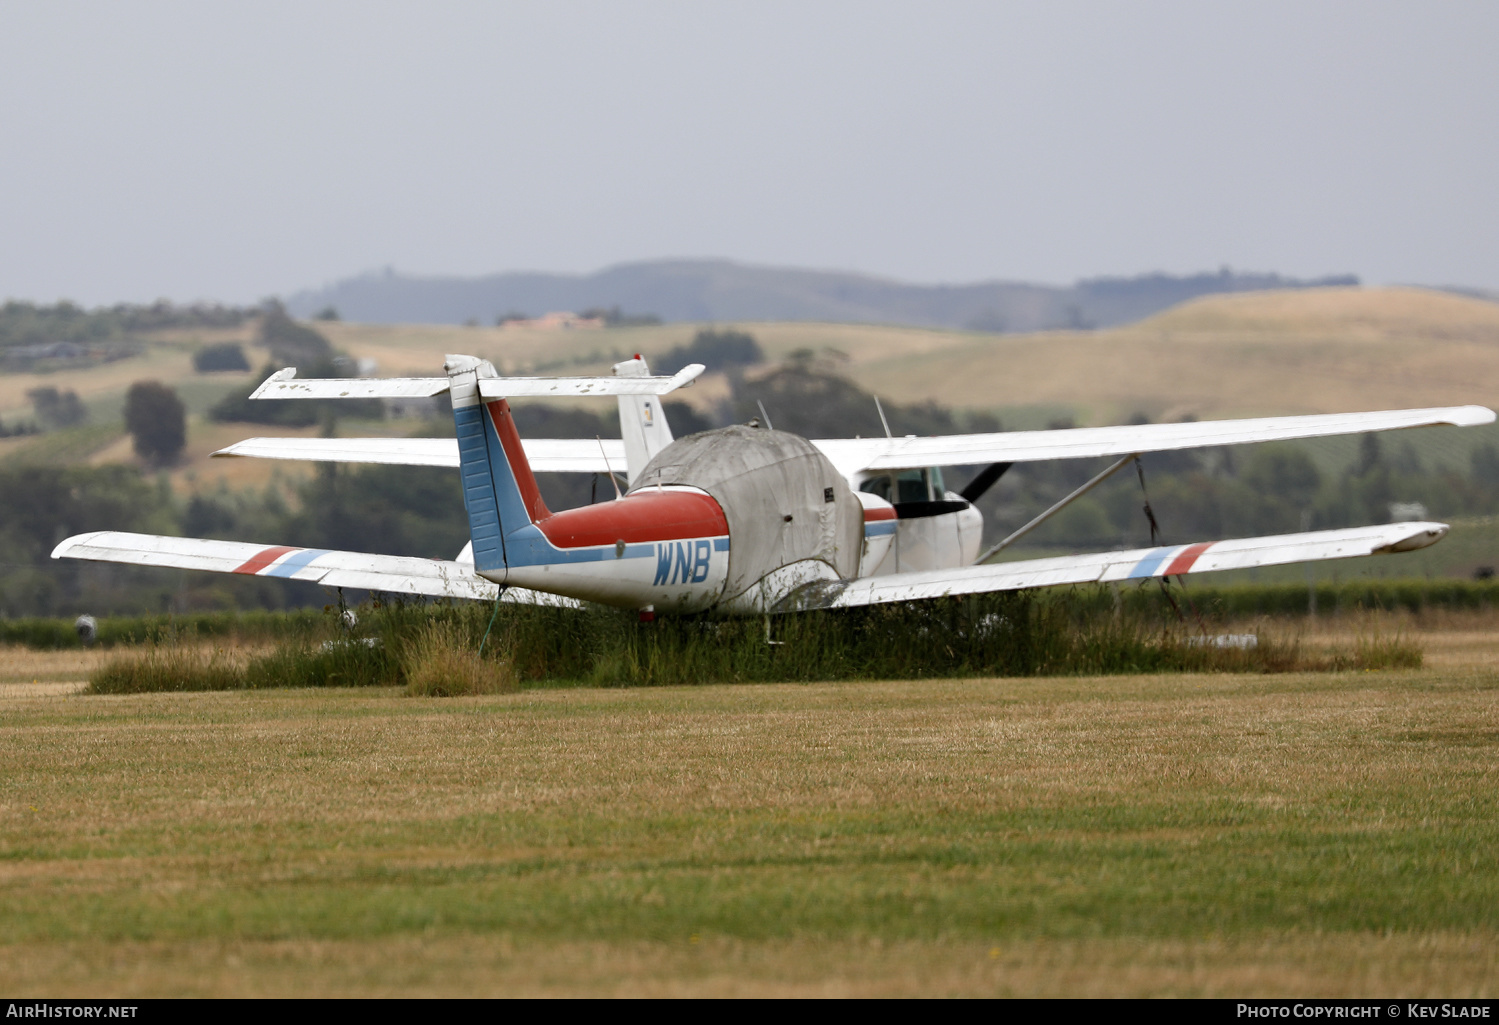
x: 607, y: 468
x: 765, y: 416
x: 883, y: 421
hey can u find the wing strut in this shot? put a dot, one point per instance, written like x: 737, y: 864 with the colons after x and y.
x: 1114, y: 468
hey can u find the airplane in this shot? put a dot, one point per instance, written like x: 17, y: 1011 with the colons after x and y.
x: 743, y: 520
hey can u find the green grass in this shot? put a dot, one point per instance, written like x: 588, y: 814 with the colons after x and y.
x: 870, y: 831
x: 1011, y: 634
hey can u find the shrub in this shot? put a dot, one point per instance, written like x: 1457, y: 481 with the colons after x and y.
x: 227, y: 356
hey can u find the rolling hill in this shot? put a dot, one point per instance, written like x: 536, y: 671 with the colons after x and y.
x: 720, y: 290
x: 1260, y: 353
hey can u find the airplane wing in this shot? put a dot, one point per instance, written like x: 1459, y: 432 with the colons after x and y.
x: 392, y: 574
x: 546, y: 455
x: 853, y: 455
x: 1107, y: 567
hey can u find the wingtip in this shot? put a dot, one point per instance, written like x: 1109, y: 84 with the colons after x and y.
x: 284, y: 374
x: 67, y: 544
x: 1421, y: 535
x: 691, y: 372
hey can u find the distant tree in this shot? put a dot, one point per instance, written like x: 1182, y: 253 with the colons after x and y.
x: 157, y: 420
x: 1283, y: 473
x: 717, y: 350
x: 613, y: 316
x: 292, y: 344
x: 226, y: 356
x: 326, y: 313
x: 505, y: 318
x: 1484, y: 461
x: 57, y: 408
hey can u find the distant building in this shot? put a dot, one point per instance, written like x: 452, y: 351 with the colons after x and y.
x: 556, y: 322
x: 49, y: 350
x: 1407, y: 512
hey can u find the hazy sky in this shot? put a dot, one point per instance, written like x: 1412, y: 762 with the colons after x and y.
x: 236, y: 150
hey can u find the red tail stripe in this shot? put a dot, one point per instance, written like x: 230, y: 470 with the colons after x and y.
x: 264, y: 559
x: 1183, y: 562
x: 879, y: 512
x: 515, y: 455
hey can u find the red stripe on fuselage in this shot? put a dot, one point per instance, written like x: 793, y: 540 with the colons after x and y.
x: 515, y: 455
x: 644, y: 516
x: 879, y: 512
x: 1183, y: 562
x: 264, y: 559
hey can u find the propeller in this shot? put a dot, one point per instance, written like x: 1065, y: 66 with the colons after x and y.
x: 984, y: 481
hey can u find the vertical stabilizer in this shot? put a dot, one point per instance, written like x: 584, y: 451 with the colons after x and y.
x: 642, y: 423
x: 499, y: 489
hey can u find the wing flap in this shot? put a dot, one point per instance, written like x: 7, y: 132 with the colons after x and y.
x: 856, y: 454
x: 1140, y: 564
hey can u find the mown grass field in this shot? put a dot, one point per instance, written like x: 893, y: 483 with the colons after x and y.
x: 1189, y: 834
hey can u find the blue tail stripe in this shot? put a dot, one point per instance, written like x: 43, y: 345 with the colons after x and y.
x: 478, y: 488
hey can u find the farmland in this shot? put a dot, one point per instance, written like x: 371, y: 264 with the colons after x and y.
x: 1317, y: 350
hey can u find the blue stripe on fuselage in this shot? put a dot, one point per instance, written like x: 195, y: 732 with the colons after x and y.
x: 530, y: 547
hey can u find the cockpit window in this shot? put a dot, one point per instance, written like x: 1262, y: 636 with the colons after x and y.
x: 911, y: 486
x: 907, y: 486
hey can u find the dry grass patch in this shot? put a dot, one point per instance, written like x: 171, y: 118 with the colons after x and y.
x: 1456, y: 965
x: 441, y: 662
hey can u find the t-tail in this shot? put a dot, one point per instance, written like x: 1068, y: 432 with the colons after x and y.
x: 499, y: 489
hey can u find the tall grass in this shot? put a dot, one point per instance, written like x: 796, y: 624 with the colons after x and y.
x: 1212, y: 604
x: 441, y: 662
x: 46, y: 633
x: 434, y: 649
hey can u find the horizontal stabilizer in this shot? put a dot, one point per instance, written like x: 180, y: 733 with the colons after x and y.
x: 392, y: 574
x: 570, y: 387
x: 852, y: 455
x: 546, y: 455
x: 284, y: 384
x: 1112, y: 567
